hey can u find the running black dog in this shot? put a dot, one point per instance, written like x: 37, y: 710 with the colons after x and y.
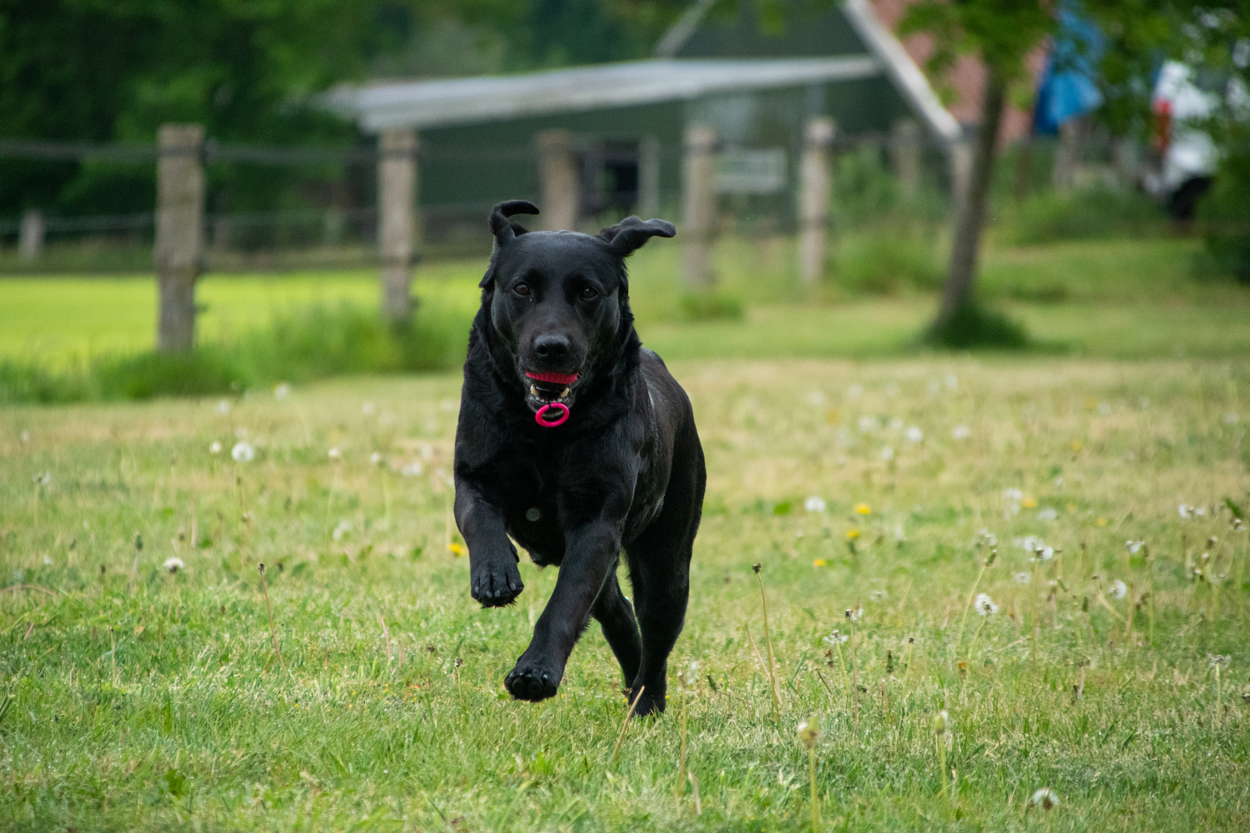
x: 576, y: 442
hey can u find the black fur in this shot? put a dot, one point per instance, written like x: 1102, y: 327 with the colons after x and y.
x: 624, y: 472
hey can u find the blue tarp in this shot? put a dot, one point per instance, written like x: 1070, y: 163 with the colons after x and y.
x: 1068, y: 89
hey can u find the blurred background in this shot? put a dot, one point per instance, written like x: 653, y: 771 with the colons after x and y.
x: 199, y: 196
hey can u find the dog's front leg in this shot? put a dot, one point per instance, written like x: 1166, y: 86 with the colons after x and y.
x: 591, y: 553
x: 494, y: 579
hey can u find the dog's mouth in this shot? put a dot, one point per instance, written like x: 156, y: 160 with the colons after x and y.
x: 547, y: 388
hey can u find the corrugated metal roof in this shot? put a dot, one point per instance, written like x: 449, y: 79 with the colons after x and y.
x: 441, y: 103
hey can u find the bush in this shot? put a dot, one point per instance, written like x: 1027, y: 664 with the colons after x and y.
x: 1224, y: 217
x: 711, y: 306
x: 883, y: 261
x: 302, y: 345
x: 974, y: 326
x: 1081, y: 214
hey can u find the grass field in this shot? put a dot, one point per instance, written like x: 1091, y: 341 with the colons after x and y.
x: 1105, y: 298
x: 142, y: 699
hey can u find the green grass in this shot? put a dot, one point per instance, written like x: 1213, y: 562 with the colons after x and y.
x: 139, y: 699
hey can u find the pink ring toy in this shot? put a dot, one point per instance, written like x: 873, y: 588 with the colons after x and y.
x: 560, y: 420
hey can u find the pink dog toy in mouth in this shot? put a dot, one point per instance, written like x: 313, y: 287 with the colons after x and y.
x: 540, y: 416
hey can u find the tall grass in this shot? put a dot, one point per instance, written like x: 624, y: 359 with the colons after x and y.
x: 299, y: 345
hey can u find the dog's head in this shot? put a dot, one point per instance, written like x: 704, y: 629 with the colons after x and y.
x: 558, y: 301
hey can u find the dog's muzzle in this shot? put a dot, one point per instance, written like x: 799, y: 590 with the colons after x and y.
x: 549, y: 391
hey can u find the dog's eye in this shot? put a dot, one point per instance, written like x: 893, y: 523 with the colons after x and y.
x: 522, y: 289
x: 589, y: 293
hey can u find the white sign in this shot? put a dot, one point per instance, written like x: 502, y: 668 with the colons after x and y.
x: 760, y: 171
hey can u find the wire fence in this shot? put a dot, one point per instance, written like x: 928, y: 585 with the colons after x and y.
x: 324, y: 199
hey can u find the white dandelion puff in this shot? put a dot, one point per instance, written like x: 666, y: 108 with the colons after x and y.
x: 1048, y: 514
x: 855, y: 614
x: 1119, y: 589
x: 1044, y: 798
x: 914, y: 434
x: 814, y: 504
x: 960, y: 432
x: 1134, y: 547
x: 215, y: 448
x: 281, y: 391
x: 984, y: 605
x: 1022, y: 578
x: 223, y: 406
x: 413, y: 469
x: 174, y: 564
x: 375, y: 458
x: 335, y: 453
x: 243, y: 452
x: 887, y: 453
x: 835, y: 639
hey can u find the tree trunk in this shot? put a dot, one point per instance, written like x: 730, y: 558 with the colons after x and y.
x: 962, y: 274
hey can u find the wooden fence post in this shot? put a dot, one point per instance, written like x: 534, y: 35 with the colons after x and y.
x: 30, y: 243
x: 179, y: 232
x: 905, y: 153
x: 561, y: 181
x: 814, y: 191
x: 648, y: 177
x: 698, y: 206
x: 397, y: 190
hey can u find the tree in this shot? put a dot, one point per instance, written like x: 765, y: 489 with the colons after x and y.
x: 1001, y: 34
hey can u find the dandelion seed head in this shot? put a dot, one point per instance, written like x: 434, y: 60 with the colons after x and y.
x: 281, y: 391
x: 835, y: 638
x: 174, y: 564
x: 375, y: 458
x: 984, y: 605
x: 223, y: 406
x: 1217, y: 660
x: 866, y: 424
x: 960, y: 432
x: 1118, y: 589
x: 855, y: 614
x: 1022, y: 578
x: 243, y: 452
x: 413, y: 469
x: 887, y: 453
x: 879, y: 595
x: 987, y: 538
x: 335, y: 453
x: 808, y: 731
x: 814, y: 503
x: 215, y: 448
x: 24, y: 436
x: 1044, y: 798
x: 1134, y: 547
x: 914, y: 434
x: 1048, y: 514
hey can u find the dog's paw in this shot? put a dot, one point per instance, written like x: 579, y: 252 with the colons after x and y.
x: 531, y: 682
x: 496, y: 585
x: 647, y: 704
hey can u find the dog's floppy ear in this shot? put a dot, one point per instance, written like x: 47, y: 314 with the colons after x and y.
x: 503, y: 228
x: 631, y: 233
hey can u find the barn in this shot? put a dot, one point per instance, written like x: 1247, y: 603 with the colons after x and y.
x: 612, y: 139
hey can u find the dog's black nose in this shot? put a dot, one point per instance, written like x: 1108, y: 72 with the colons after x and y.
x: 551, y: 346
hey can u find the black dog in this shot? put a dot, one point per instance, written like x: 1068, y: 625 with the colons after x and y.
x: 576, y: 442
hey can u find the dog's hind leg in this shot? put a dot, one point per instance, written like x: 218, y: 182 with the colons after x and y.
x: 659, y: 569
x: 616, y: 617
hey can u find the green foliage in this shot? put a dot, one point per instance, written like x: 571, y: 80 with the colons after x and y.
x: 1224, y: 214
x: 885, y: 261
x: 299, y: 345
x: 1002, y: 33
x: 1098, y: 211
x: 974, y: 327
x: 711, y: 306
